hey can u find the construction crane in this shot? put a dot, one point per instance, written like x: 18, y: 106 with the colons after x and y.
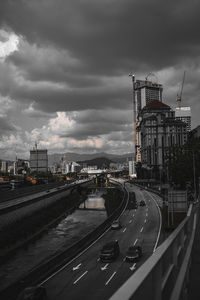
x: 134, y: 113
x: 151, y: 74
x: 179, y: 95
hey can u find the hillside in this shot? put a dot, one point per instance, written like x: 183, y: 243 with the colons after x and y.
x: 56, y: 158
x: 100, y: 162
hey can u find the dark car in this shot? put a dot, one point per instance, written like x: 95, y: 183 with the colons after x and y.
x: 110, y: 251
x: 142, y: 203
x: 33, y: 293
x: 134, y: 253
x: 116, y: 225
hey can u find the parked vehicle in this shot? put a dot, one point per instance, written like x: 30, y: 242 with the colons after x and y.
x: 33, y: 293
x: 134, y: 253
x: 116, y: 225
x: 110, y: 251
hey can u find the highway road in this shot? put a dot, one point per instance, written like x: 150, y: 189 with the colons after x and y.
x: 35, y: 195
x: 87, y: 277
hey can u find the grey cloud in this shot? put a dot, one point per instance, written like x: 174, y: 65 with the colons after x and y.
x: 6, y: 127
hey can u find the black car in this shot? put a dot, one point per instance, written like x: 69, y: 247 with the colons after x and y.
x: 142, y: 203
x: 33, y: 293
x: 110, y: 251
x: 134, y: 253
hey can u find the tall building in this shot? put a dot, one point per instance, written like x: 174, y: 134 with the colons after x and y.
x: 145, y: 92
x: 131, y: 168
x: 183, y: 113
x: 159, y: 131
x: 4, y: 166
x: 38, y: 160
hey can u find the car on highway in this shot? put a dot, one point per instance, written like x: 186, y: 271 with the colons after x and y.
x: 110, y: 251
x: 116, y: 224
x: 134, y: 253
x: 33, y: 293
x: 142, y: 203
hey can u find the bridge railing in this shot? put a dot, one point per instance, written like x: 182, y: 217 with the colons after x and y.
x: 164, y: 275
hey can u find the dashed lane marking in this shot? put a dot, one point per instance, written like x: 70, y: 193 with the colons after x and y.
x: 80, y: 277
x: 111, y: 277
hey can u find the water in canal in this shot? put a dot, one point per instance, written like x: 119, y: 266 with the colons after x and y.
x: 75, y: 226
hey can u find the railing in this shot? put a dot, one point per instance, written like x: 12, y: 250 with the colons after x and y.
x: 164, y: 275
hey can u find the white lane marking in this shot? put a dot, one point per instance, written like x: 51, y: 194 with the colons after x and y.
x: 133, y: 215
x: 58, y: 271
x: 77, y: 267
x: 104, y: 268
x: 145, y: 220
x: 80, y: 277
x: 146, y: 214
x: 124, y: 229
x: 141, y: 229
x: 135, y: 242
x: 98, y: 259
x: 133, y: 267
x: 107, y: 282
x: 130, y: 221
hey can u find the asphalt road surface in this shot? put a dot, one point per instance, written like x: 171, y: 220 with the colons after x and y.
x: 87, y: 277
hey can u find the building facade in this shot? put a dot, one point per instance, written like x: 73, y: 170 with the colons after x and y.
x: 183, y: 113
x: 38, y: 160
x: 159, y: 131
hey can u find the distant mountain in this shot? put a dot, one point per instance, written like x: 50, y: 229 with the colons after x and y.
x: 56, y: 158
x: 100, y: 162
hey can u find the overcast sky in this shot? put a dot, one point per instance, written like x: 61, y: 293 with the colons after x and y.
x: 64, y: 69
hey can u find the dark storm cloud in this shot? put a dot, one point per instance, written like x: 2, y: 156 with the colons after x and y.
x: 76, y: 56
x: 110, y: 36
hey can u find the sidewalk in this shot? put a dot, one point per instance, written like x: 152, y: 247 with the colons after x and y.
x: 194, y: 277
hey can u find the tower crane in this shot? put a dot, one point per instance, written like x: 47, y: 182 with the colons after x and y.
x: 179, y: 95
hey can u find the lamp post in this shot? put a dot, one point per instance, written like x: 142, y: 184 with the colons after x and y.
x: 194, y: 175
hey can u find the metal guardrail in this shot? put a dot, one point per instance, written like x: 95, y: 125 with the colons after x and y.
x: 164, y: 275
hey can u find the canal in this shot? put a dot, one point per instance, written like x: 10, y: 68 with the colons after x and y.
x: 83, y: 220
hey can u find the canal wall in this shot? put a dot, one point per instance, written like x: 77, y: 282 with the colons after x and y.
x: 31, y: 207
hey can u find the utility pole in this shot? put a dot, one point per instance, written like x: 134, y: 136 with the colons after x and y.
x: 194, y: 175
x: 36, y: 160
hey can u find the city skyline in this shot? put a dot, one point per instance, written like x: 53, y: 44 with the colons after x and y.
x: 64, y: 70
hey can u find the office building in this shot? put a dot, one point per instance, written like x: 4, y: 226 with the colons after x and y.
x: 38, y: 160
x: 159, y: 131
x: 4, y: 166
x: 183, y: 113
x: 145, y: 92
